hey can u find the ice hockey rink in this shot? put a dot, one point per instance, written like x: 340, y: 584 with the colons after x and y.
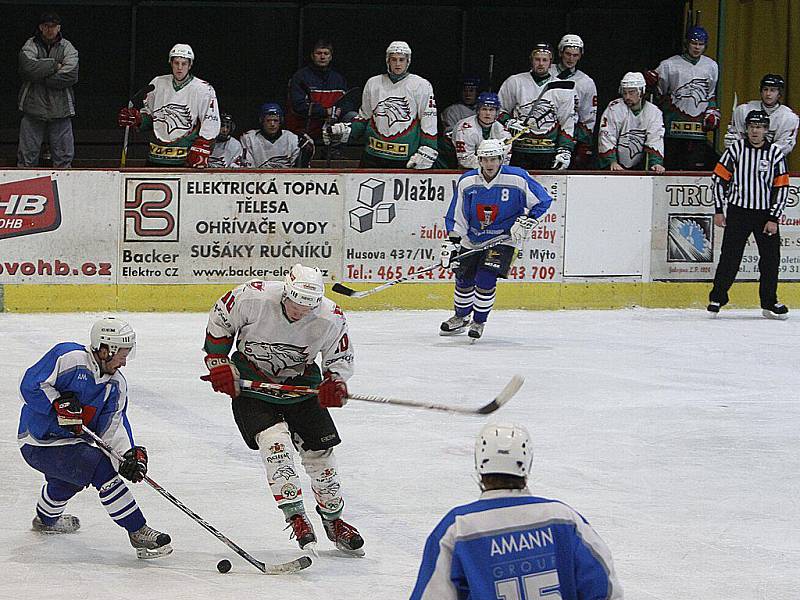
x: 676, y: 436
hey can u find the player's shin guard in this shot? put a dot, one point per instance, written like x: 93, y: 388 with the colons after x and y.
x: 484, y: 301
x: 275, y: 446
x: 463, y: 299
x: 120, y: 504
x: 52, y: 502
x: 321, y: 468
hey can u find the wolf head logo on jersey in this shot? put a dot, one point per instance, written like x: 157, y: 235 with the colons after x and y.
x: 695, y: 91
x: 273, y: 358
x: 395, y: 110
x: 542, y: 115
x: 174, y: 116
x: 633, y: 141
x: 276, y: 162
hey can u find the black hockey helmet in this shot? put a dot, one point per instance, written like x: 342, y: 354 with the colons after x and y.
x: 772, y: 80
x: 227, y: 119
x: 542, y: 47
x: 758, y: 117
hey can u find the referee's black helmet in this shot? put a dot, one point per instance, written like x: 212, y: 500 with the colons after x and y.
x: 758, y: 117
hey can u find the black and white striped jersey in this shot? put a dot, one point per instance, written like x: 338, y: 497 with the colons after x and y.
x: 752, y: 178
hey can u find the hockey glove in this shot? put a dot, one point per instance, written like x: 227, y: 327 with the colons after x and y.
x: 332, y: 391
x: 199, y: 153
x: 711, y: 119
x: 129, y: 117
x: 515, y: 127
x: 134, y: 464
x: 423, y: 158
x: 651, y: 78
x: 69, y: 412
x: 562, y: 159
x: 223, y: 375
x: 449, y: 253
x: 730, y: 138
x: 522, y: 228
x: 338, y: 131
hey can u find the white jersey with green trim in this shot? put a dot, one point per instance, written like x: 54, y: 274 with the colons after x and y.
x: 586, y: 91
x: 628, y: 135
x: 468, y: 133
x: 783, y: 123
x: 253, y: 314
x: 177, y: 113
x: 554, y: 110
x: 226, y: 155
x: 260, y: 153
x: 690, y: 87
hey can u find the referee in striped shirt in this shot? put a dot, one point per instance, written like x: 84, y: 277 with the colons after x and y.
x: 751, y: 176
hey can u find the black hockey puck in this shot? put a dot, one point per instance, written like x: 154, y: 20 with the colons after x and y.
x: 224, y: 565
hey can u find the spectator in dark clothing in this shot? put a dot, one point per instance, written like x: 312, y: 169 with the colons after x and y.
x: 318, y: 87
x: 48, y: 66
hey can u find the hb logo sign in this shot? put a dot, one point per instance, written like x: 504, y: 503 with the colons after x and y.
x: 152, y: 210
x: 29, y: 206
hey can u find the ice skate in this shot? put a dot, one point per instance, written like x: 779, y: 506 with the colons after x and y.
x: 454, y: 325
x: 475, y: 331
x: 713, y: 309
x: 776, y: 311
x: 303, y: 532
x: 343, y: 535
x: 64, y: 524
x: 150, y: 543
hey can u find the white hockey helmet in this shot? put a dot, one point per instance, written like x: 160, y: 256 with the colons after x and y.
x: 490, y: 147
x: 570, y: 41
x: 114, y: 333
x: 398, y: 47
x: 304, y: 286
x: 503, y: 449
x: 633, y: 80
x: 181, y: 51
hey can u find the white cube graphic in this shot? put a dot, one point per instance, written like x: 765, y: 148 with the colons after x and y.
x: 361, y: 219
x: 370, y: 192
x: 385, y: 213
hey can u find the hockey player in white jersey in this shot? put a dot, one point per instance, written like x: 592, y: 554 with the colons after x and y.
x: 279, y: 329
x: 570, y: 51
x: 227, y: 152
x: 272, y: 146
x: 75, y: 386
x: 397, y: 117
x: 470, y: 132
x: 547, y: 118
x: 465, y: 107
x: 511, y: 544
x: 631, y: 130
x: 686, y: 90
x: 489, y: 204
x: 782, y: 120
x: 181, y: 113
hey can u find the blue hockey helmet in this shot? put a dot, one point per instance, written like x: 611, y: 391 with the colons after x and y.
x: 697, y: 34
x: 489, y: 99
x: 270, y: 108
x: 471, y: 81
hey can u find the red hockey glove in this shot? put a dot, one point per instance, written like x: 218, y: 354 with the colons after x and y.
x: 223, y: 375
x: 134, y: 464
x: 332, y: 391
x: 711, y: 119
x: 69, y: 412
x: 651, y: 78
x: 199, y: 153
x: 129, y: 117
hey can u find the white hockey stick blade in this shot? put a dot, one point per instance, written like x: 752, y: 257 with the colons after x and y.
x: 293, y: 566
x: 512, y: 387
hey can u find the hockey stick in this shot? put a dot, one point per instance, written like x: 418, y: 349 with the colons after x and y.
x: 277, y: 569
x: 559, y: 84
x: 136, y: 97
x: 511, y: 388
x: 346, y: 291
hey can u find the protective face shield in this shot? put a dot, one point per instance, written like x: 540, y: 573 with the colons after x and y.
x: 114, y: 333
x: 503, y: 450
x: 304, y: 286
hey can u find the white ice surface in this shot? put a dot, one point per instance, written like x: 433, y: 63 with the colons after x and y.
x: 674, y: 435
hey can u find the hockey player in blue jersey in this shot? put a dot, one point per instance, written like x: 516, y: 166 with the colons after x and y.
x: 510, y: 544
x: 70, y: 387
x: 489, y: 202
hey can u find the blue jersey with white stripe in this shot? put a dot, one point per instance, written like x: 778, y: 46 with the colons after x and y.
x: 481, y: 210
x: 72, y: 367
x: 510, y: 545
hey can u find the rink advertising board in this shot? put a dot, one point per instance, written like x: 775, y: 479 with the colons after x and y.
x: 58, y: 226
x: 394, y: 226
x: 685, y: 244
x: 207, y: 228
